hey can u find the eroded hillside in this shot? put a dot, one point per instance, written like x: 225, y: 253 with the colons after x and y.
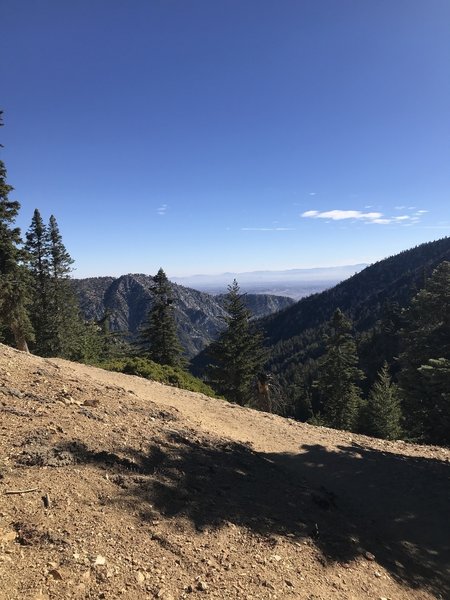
x: 130, y: 489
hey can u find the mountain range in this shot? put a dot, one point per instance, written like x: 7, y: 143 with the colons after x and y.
x: 199, y: 316
x: 295, y: 335
x: 294, y: 331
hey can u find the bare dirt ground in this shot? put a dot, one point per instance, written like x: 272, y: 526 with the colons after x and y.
x: 131, y: 489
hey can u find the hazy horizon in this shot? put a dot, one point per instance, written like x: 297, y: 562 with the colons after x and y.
x: 75, y: 274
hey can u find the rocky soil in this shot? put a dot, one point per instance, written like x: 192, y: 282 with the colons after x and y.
x: 115, y: 487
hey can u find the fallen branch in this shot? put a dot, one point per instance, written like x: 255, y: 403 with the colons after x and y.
x: 20, y: 491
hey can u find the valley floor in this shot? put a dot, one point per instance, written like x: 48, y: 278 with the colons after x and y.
x: 155, y: 492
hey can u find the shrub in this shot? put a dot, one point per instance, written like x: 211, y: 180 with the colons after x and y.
x: 148, y: 369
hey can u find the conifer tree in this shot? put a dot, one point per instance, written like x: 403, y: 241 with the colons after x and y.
x: 238, y: 355
x: 425, y: 374
x: 338, y: 376
x: 159, y: 340
x: 382, y: 413
x: 66, y: 328
x: 38, y: 260
x: 14, y: 281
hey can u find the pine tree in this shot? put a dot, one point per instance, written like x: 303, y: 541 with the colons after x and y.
x: 66, y: 328
x: 14, y: 280
x: 382, y: 413
x: 38, y: 260
x: 238, y: 355
x: 425, y: 375
x: 159, y: 340
x: 338, y: 376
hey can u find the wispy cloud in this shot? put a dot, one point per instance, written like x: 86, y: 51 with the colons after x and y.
x: 267, y: 228
x: 376, y: 218
x: 339, y: 215
x: 161, y: 210
x: 313, y: 193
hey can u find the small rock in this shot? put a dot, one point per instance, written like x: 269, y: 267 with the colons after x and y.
x: 91, y: 402
x: 276, y: 557
x: 56, y: 574
x: 289, y: 583
x: 202, y: 586
x: 140, y: 577
x: 377, y: 574
x: 100, y: 560
x: 369, y: 555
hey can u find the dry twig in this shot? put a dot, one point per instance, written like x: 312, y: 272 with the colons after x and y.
x: 10, y: 492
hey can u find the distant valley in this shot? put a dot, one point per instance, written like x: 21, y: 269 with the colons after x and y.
x: 294, y: 283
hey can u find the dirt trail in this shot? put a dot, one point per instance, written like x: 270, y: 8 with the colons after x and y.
x: 157, y: 492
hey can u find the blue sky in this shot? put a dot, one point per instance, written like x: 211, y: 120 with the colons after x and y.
x: 228, y: 135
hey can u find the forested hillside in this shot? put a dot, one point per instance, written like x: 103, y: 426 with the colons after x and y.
x: 363, y: 296
x: 378, y: 326
x: 377, y: 294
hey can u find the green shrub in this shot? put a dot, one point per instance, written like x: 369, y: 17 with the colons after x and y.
x: 148, y: 369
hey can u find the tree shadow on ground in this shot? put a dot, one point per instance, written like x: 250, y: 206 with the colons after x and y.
x: 351, y: 501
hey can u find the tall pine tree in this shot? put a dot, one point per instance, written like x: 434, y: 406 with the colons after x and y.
x: 425, y: 374
x: 338, y: 376
x: 38, y: 258
x: 65, y: 326
x: 238, y: 355
x: 382, y: 412
x: 159, y: 340
x: 14, y: 280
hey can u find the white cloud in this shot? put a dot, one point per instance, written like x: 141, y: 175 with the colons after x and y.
x: 312, y: 193
x: 161, y: 210
x: 399, y: 207
x: 339, y: 215
x: 376, y: 218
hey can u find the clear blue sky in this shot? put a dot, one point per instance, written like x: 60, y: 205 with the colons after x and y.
x: 228, y: 135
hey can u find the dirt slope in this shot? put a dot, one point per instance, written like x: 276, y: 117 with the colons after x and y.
x: 156, y: 492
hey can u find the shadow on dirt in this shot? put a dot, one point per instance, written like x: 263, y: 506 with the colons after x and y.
x: 352, y: 501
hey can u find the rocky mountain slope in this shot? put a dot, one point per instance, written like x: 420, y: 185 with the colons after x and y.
x: 117, y: 487
x: 199, y: 316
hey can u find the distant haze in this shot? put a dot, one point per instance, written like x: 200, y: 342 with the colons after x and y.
x: 295, y: 283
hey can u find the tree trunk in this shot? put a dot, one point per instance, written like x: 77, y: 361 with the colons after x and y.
x: 21, y: 342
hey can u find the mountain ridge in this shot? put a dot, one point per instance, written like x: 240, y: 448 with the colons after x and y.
x: 199, y: 316
x: 378, y: 294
